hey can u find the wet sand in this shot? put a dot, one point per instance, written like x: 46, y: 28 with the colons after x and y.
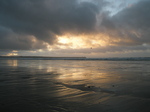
x: 74, y: 86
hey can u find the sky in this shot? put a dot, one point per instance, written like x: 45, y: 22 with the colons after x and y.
x: 79, y: 28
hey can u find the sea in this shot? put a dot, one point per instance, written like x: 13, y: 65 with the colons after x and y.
x: 91, y: 85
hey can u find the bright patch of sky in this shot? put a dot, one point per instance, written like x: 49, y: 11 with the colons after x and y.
x: 114, y: 6
x: 117, y: 5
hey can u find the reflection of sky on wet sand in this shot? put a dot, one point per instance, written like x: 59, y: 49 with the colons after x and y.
x: 13, y: 63
x: 91, y: 83
x: 97, y: 73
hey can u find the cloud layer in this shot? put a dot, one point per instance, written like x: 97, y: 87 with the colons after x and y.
x: 34, y: 24
x: 130, y: 26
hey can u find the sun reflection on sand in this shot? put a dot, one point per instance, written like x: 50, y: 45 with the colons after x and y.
x: 79, y: 73
x: 88, y: 77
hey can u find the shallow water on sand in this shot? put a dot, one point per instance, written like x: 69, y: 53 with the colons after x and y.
x: 74, y: 86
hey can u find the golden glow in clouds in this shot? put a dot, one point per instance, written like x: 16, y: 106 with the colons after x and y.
x: 81, y: 41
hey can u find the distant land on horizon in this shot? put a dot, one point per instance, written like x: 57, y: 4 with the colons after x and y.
x: 38, y: 57
x: 75, y: 58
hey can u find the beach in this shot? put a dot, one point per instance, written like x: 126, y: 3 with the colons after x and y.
x: 74, y: 86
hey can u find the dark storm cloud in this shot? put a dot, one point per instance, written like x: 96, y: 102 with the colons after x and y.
x: 10, y: 40
x: 42, y: 19
x: 131, y: 25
